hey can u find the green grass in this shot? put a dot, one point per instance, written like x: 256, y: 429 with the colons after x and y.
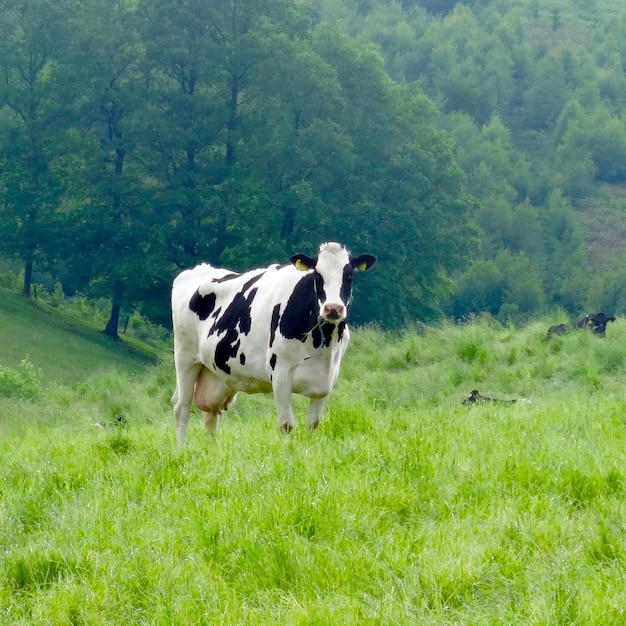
x: 405, y: 507
x: 65, y: 348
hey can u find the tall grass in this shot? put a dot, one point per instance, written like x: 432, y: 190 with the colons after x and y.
x: 405, y: 507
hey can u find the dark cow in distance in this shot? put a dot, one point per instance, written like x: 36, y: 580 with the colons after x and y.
x: 595, y: 321
x: 475, y: 397
x: 559, y: 329
x: 582, y: 322
x: 281, y: 328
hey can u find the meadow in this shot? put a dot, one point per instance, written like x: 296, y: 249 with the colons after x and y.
x: 405, y: 507
x: 64, y: 344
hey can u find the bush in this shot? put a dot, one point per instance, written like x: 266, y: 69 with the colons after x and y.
x: 11, y: 280
x: 21, y: 382
x: 142, y: 328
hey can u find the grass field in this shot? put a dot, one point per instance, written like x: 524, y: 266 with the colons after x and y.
x: 405, y: 507
x: 65, y: 348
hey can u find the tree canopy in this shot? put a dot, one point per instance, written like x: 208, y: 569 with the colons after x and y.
x: 459, y: 142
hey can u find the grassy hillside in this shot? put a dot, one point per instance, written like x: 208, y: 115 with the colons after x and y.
x: 404, y: 507
x: 65, y: 348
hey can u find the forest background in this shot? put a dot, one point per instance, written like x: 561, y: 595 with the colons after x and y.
x: 477, y: 148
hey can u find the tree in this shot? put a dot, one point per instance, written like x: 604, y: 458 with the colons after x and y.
x: 547, y: 94
x: 33, y: 39
x: 480, y: 288
x: 202, y: 58
x: 112, y: 230
x: 404, y: 194
x: 608, y: 293
x: 296, y: 153
x: 565, y: 267
x: 468, y: 69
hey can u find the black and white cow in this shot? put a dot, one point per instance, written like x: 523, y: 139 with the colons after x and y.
x: 598, y: 322
x: 595, y: 321
x: 281, y: 328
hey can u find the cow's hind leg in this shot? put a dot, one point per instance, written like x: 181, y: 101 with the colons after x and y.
x: 316, y: 406
x: 183, y: 395
x: 212, y: 396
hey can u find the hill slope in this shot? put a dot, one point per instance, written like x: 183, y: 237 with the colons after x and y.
x: 66, y: 349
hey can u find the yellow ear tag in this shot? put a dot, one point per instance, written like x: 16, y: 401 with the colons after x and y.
x: 300, y: 265
x: 363, y: 267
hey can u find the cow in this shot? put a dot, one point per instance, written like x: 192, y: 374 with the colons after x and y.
x: 582, y: 322
x: 475, y: 397
x: 598, y: 321
x: 595, y: 321
x: 559, y: 329
x: 280, y: 329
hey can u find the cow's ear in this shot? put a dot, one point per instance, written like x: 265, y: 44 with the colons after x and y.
x: 303, y: 262
x: 611, y: 319
x: 363, y: 262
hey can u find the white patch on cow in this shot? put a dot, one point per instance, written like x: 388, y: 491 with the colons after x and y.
x: 332, y: 258
x: 218, y: 315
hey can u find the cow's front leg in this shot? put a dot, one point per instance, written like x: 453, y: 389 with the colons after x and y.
x: 281, y: 385
x: 316, y: 406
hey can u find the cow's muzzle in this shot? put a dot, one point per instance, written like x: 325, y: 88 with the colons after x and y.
x: 334, y: 312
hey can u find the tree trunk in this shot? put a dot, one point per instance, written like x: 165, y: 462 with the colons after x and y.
x: 114, y: 321
x: 28, y: 278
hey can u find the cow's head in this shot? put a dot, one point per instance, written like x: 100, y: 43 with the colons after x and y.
x: 599, y: 321
x: 333, y: 269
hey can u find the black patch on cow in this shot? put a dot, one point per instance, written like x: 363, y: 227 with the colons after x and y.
x: 274, y: 323
x: 340, y: 329
x: 346, y: 284
x: 302, y: 311
x: 273, y: 359
x: 237, y: 313
x: 242, y: 358
x: 235, y: 319
x: 319, y: 287
x: 322, y: 334
x: 316, y: 336
x: 227, y: 348
x: 202, y: 306
x: 251, y: 282
x: 226, y: 278
x: 327, y: 330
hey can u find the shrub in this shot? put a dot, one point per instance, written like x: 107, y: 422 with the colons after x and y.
x: 11, y: 280
x: 22, y: 382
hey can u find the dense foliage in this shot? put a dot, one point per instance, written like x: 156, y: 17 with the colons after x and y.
x: 459, y: 142
x: 533, y: 94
